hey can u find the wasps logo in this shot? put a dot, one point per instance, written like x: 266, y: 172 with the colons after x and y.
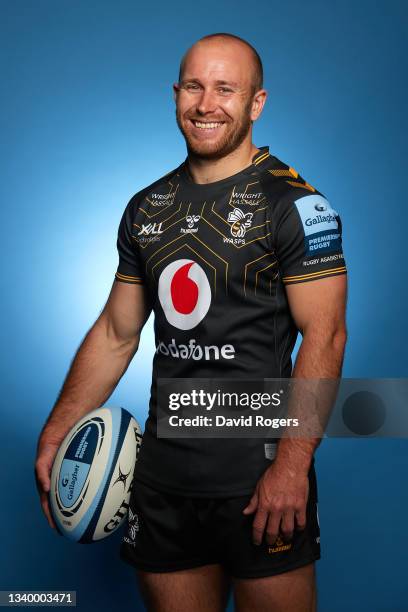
x: 240, y: 222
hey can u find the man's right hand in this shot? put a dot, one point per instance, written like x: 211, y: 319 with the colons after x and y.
x: 46, y: 452
x: 100, y: 362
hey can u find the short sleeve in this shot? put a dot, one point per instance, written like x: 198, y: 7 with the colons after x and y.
x: 130, y: 265
x: 308, y: 239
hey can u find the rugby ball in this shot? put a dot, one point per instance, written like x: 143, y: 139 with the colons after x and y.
x: 92, y: 474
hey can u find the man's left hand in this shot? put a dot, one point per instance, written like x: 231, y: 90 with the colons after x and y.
x: 279, y: 500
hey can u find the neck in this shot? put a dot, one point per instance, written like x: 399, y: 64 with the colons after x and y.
x: 204, y: 170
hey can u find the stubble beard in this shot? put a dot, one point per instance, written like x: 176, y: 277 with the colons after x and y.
x: 226, y: 144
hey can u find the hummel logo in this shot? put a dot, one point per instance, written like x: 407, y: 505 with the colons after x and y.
x: 191, y: 219
x: 150, y: 228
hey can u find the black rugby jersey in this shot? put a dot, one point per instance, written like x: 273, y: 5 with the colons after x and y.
x: 215, y: 259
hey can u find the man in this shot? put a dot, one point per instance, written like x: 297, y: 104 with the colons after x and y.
x: 235, y: 253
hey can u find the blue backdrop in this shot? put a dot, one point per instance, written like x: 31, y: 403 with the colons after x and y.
x: 87, y: 119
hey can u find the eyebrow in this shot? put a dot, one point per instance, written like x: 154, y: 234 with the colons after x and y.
x: 232, y: 83
x: 218, y: 82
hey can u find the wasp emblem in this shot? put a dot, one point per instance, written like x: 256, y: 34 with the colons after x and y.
x: 240, y: 222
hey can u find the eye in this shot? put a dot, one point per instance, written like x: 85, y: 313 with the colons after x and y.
x: 224, y: 89
x: 192, y: 86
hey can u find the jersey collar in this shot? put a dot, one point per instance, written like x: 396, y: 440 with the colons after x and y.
x: 258, y: 160
x: 261, y: 156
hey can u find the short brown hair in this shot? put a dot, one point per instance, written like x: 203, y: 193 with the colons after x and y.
x: 257, y: 81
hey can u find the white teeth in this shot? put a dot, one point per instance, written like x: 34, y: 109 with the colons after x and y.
x: 206, y: 126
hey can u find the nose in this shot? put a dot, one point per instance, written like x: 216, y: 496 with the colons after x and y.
x: 206, y: 103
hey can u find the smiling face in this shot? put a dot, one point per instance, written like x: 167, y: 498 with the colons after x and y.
x: 215, y: 99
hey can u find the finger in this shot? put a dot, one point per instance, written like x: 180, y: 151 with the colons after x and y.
x: 301, y: 519
x: 258, y: 526
x: 287, y: 524
x: 46, y: 509
x: 272, y: 530
x: 252, y: 506
x: 44, y: 466
x: 42, y: 479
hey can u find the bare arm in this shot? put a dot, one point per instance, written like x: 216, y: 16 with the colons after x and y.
x: 318, y: 309
x: 96, y: 369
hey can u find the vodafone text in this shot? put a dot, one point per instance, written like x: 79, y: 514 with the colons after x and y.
x: 195, y: 351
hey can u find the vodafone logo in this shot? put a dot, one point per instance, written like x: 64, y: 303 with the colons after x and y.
x: 184, y: 293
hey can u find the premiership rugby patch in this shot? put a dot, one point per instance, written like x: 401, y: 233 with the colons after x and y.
x: 320, y: 224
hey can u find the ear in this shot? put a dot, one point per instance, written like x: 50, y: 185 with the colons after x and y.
x: 176, y: 89
x: 258, y: 103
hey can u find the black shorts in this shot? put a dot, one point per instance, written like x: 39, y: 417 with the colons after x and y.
x: 169, y: 532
